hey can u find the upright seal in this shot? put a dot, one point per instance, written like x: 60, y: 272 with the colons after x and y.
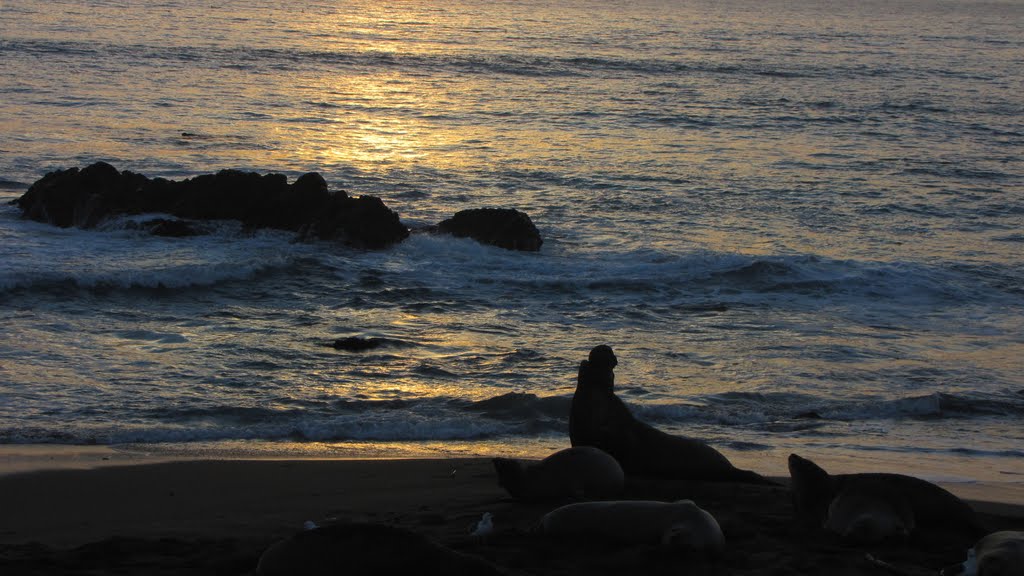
x: 599, y: 418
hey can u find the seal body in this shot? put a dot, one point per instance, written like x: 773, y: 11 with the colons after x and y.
x: 599, y: 418
x: 874, y: 507
x: 680, y: 525
x: 581, y: 472
x: 998, y: 554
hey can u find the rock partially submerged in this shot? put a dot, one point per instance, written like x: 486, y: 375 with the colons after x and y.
x: 503, y: 227
x: 88, y: 196
x: 85, y: 197
x: 358, y: 344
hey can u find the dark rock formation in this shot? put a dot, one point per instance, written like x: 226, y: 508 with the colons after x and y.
x: 502, y: 227
x: 85, y: 197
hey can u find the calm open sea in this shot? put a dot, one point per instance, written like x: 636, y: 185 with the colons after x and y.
x: 770, y: 209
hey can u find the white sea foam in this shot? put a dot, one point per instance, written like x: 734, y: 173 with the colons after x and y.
x: 465, y: 265
x: 42, y: 256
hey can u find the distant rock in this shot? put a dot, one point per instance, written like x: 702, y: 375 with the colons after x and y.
x: 358, y: 344
x: 808, y: 415
x: 503, y: 227
x: 85, y: 197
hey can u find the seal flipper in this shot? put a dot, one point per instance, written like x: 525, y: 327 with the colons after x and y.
x: 813, y: 489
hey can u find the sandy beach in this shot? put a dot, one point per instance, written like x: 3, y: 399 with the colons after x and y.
x: 217, y: 516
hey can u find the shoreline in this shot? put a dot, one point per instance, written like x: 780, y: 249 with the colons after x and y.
x: 956, y: 474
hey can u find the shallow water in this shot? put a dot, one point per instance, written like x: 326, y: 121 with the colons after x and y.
x: 798, y: 224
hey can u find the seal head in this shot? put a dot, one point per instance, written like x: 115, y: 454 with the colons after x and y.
x: 603, y: 358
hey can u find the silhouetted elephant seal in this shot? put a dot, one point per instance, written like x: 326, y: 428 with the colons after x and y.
x: 582, y: 472
x: 680, y: 525
x: 873, y: 507
x: 998, y: 554
x: 364, y: 549
x: 599, y: 418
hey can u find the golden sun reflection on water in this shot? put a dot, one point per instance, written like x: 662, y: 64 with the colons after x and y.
x: 373, y: 123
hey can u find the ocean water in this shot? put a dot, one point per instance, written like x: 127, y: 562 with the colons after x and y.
x: 799, y: 224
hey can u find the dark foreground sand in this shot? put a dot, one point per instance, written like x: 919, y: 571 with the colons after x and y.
x: 216, y: 517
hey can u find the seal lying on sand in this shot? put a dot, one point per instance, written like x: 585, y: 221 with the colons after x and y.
x: 680, y: 525
x: 355, y: 549
x: 582, y: 472
x: 599, y: 418
x: 873, y: 507
x: 998, y: 554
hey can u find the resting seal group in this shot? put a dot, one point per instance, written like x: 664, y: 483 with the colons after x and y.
x: 608, y: 443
